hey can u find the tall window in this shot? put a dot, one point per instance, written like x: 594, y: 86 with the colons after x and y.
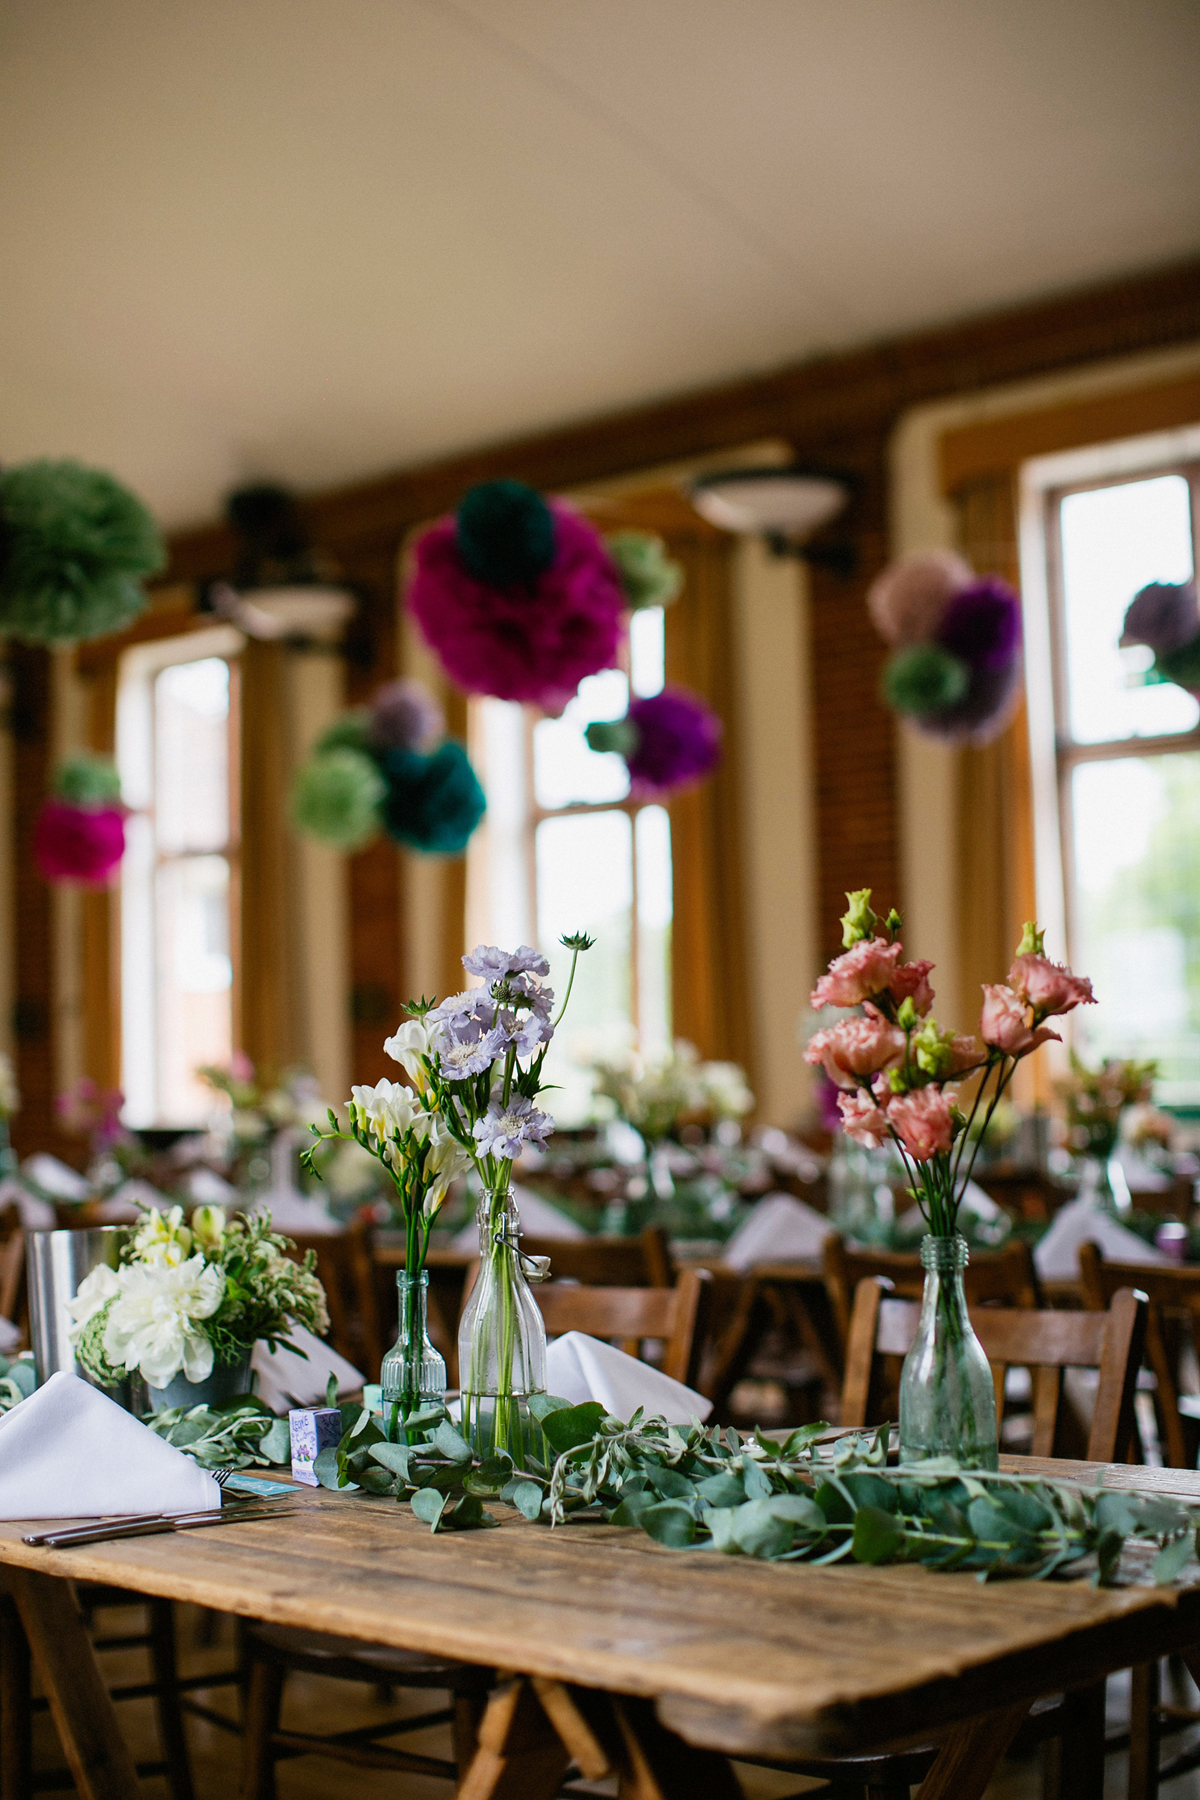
x: 177, y: 750
x: 567, y: 849
x: 1128, y: 751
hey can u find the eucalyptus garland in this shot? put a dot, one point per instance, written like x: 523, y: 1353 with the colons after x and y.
x: 235, y: 1436
x: 800, y: 1500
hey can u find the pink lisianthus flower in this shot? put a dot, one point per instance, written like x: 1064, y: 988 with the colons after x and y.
x: 1048, y: 987
x: 924, y: 1121
x: 862, y: 1119
x: 965, y: 1053
x: 911, y: 982
x: 855, y: 1049
x: 869, y: 968
x: 1005, y: 1021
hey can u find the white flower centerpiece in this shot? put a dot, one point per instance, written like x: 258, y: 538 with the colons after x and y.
x: 187, y: 1303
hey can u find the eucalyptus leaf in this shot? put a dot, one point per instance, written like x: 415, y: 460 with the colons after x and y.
x: 669, y: 1523
x: 394, y: 1457
x: 325, y: 1468
x: 877, y: 1535
x: 527, y: 1498
x: 451, y: 1443
x: 374, y: 1480
x: 542, y: 1405
x: 429, y: 1506
x: 572, y: 1426
x: 670, y: 1484
x: 1171, y: 1559
x: 276, y: 1444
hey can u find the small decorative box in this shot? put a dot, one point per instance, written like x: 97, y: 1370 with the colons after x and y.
x: 313, y: 1429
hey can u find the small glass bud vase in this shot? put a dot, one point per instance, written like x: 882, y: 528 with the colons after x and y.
x: 502, y: 1341
x: 413, y: 1373
x: 947, y: 1399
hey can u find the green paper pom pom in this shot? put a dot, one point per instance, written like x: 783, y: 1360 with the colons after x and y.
x: 336, y: 797
x: 924, y: 678
x: 434, y: 802
x: 352, y: 731
x: 74, y: 546
x: 648, y: 575
x: 505, y: 534
x: 88, y: 781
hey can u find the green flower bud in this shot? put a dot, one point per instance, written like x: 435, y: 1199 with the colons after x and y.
x: 906, y: 1017
x: 858, y: 921
x: 1033, y: 941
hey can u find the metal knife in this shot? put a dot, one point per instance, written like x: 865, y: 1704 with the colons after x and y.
x: 150, y: 1525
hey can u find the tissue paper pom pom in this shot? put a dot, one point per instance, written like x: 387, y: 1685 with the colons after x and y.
x: 534, y: 644
x: 924, y: 678
x: 678, y: 740
x: 336, y: 797
x: 405, y: 716
x: 1182, y: 666
x: 982, y: 624
x: 78, y: 843
x: 907, y: 601
x: 88, y: 781
x: 1163, y: 615
x: 434, y: 802
x: 984, y: 710
x: 350, y: 731
x: 74, y: 545
x: 648, y: 575
x: 505, y: 534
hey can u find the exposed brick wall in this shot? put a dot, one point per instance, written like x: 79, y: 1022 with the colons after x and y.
x: 33, y: 1023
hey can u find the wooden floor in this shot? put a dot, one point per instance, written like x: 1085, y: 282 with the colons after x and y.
x: 313, y: 1704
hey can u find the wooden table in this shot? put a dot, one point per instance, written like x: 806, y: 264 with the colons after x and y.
x: 618, y: 1636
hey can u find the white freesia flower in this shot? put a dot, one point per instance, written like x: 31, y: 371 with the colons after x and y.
x: 388, y: 1106
x: 94, y: 1291
x: 413, y: 1041
x: 446, y: 1162
x: 163, y: 1236
x: 208, y: 1228
x: 153, y: 1324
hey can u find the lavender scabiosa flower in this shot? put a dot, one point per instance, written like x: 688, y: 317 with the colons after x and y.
x: 506, y: 1127
x: 461, y: 1056
x: 492, y: 965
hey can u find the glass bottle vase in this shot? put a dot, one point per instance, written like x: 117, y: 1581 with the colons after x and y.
x: 413, y: 1374
x: 947, y: 1398
x: 501, y: 1341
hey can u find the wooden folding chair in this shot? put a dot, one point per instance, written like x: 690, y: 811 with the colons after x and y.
x: 1174, y: 1296
x: 676, y: 1317
x: 643, y: 1261
x: 343, y: 1261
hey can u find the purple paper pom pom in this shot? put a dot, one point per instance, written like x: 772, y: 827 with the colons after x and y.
x: 679, y: 740
x: 532, y: 643
x: 1163, y: 615
x: 983, y: 712
x: 78, y: 843
x: 982, y: 624
x: 405, y: 716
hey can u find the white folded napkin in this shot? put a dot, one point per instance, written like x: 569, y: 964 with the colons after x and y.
x: 10, y: 1335
x: 779, y: 1229
x: 291, y: 1210
x: 55, y: 1177
x: 1142, y: 1176
x: 36, y: 1215
x: 538, y: 1217
x: 69, y: 1452
x: 974, y: 1200
x: 286, y: 1380
x: 1081, y: 1221
x: 580, y: 1368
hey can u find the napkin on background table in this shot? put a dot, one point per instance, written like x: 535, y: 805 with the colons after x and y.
x: 286, y: 1380
x: 1056, y: 1257
x: 580, y: 1368
x: 779, y: 1229
x: 538, y: 1218
x: 69, y: 1452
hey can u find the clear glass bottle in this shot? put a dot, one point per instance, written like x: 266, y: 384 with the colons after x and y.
x: 414, y: 1372
x: 502, y: 1340
x: 947, y: 1399
x: 1102, y: 1181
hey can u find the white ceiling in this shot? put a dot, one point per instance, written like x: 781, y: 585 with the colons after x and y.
x: 317, y: 239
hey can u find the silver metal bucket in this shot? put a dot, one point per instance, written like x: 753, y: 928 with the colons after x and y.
x: 57, y: 1262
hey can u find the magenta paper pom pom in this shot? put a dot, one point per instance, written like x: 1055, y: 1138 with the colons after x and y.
x: 982, y: 624
x: 532, y: 643
x: 908, y: 600
x: 405, y: 716
x: 78, y: 843
x: 678, y: 740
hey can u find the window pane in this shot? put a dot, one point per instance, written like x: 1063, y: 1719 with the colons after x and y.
x: 195, y: 1015
x: 1114, y: 541
x: 652, y: 833
x: 564, y: 769
x: 647, y: 650
x: 191, y: 730
x: 585, y: 883
x: 1137, y: 877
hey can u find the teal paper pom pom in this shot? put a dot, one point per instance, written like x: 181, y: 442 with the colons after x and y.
x: 1181, y: 665
x: 505, y: 534
x: 350, y: 731
x: 74, y: 547
x: 336, y: 797
x: 88, y: 781
x: 924, y: 678
x: 434, y: 802
x: 648, y: 575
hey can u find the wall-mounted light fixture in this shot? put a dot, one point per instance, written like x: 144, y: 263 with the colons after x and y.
x: 281, y: 590
x: 783, y: 505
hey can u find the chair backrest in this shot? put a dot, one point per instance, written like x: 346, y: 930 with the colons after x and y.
x: 1001, y: 1277
x: 643, y: 1261
x: 1174, y: 1296
x: 344, y: 1268
x: 677, y: 1317
x: 1046, y: 1343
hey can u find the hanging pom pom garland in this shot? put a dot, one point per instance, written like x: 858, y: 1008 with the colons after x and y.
x: 1164, y: 616
x: 518, y: 596
x: 648, y: 575
x: 79, y: 835
x: 956, y: 667
x: 668, y: 740
x: 373, y: 770
x: 75, y: 547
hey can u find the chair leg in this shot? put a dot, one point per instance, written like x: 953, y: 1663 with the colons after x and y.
x: 16, y: 1724
x: 468, y: 1712
x: 1075, y: 1759
x: 264, y: 1698
x: 1143, y: 1733
x: 166, y: 1700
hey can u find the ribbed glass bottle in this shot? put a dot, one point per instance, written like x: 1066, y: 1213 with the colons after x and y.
x: 413, y: 1373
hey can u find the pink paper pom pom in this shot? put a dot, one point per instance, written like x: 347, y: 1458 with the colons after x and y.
x: 532, y: 643
x: 78, y: 843
x: 908, y: 600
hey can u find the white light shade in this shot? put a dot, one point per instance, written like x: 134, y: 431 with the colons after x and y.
x: 313, y: 614
x: 791, y: 503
